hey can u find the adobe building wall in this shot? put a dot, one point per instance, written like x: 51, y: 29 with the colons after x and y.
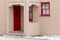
x: 49, y: 25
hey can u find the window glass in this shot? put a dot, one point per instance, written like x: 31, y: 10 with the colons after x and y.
x: 46, y: 6
x: 47, y: 11
x: 43, y: 7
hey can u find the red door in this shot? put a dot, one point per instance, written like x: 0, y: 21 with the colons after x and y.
x: 17, y: 17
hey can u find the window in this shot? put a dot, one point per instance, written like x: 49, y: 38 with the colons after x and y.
x: 45, y: 8
x: 31, y: 13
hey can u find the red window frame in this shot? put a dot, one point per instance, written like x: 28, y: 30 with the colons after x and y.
x: 44, y: 14
x: 31, y: 14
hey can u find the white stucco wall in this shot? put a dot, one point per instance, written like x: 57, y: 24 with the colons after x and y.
x: 47, y: 25
x: 3, y: 16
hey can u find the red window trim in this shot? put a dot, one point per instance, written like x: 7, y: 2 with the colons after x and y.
x: 42, y: 9
x: 31, y: 20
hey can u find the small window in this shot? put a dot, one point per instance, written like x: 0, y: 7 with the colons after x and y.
x: 45, y: 8
x: 31, y: 13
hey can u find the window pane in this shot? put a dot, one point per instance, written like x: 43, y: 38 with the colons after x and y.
x: 47, y: 11
x: 43, y: 6
x: 30, y: 8
x: 47, y: 6
x: 30, y: 16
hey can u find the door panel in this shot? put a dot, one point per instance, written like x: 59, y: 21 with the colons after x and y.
x: 17, y: 17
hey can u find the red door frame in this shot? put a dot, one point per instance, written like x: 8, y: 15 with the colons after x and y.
x: 17, y: 17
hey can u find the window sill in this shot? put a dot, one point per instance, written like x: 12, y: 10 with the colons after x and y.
x: 44, y: 15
